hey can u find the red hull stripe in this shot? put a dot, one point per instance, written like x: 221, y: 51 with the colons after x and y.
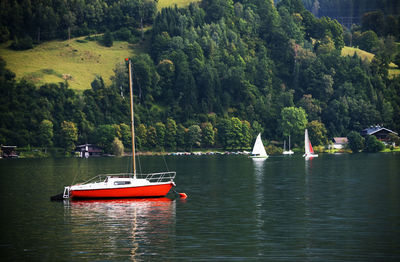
x: 141, y: 191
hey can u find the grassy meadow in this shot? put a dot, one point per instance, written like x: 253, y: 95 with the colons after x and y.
x: 180, y: 3
x: 364, y: 55
x: 77, y: 60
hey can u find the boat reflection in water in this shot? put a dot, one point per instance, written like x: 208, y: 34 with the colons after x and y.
x: 135, y: 228
x: 259, y: 196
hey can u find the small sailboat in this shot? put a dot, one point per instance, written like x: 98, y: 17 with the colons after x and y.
x: 309, y: 151
x: 258, y: 149
x: 125, y: 185
x: 287, y: 152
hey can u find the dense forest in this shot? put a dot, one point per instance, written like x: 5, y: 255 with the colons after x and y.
x: 351, y: 11
x: 216, y: 74
x: 36, y: 21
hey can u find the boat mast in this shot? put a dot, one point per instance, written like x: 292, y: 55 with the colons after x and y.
x: 132, y: 118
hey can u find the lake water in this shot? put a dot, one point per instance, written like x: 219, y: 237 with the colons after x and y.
x: 331, y: 208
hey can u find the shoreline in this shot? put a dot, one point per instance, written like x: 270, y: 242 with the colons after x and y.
x: 57, y: 152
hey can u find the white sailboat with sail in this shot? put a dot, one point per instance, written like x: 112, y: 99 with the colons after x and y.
x: 258, y: 149
x: 309, y: 151
x: 287, y: 152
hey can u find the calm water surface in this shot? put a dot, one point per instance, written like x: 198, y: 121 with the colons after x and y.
x: 331, y: 208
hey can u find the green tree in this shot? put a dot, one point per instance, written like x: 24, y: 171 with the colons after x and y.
x: 208, y: 134
x: 146, y: 78
x: 355, y: 141
x: 326, y: 46
x: 235, y: 135
x: 317, y: 132
x: 125, y: 135
x: 368, y: 41
x: 394, y: 139
x: 117, y: 147
x: 180, y: 136
x: 108, y: 39
x: 22, y: 44
x: 293, y: 122
x: 246, y: 134
x: 257, y: 128
x: 217, y: 9
x: 160, y: 131
x: 224, y: 126
x: 69, y: 134
x: 104, y: 137
x: 46, y: 133
x: 141, y: 137
x: 194, y: 136
x: 151, y: 137
x: 311, y: 106
x: 170, y: 134
x: 372, y: 144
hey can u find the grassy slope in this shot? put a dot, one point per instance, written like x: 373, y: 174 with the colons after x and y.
x: 47, y: 62
x: 393, y: 70
x: 361, y: 53
x: 180, y: 3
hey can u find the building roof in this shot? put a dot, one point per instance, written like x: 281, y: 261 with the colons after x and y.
x: 10, y: 147
x: 340, y: 140
x: 85, y: 145
x: 374, y: 129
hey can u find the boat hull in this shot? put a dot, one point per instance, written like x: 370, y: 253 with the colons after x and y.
x: 258, y: 157
x: 310, y: 155
x: 158, y: 190
x: 288, y: 152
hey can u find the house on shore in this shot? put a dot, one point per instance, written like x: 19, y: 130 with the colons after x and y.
x: 380, y: 132
x: 88, y: 150
x: 340, y: 142
x: 9, y: 152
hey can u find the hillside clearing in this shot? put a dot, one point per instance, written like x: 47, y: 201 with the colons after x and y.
x: 55, y: 61
x: 180, y: 3
x: 364, y: 55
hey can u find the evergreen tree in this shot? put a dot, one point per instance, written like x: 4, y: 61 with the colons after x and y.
x: 108, y: 39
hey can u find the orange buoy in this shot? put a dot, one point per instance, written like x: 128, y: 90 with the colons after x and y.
x: 183, y: 195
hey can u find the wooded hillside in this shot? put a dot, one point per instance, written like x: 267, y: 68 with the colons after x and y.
x: 217, y: 73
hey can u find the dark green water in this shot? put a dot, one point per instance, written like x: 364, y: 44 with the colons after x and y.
x: 331, y: 208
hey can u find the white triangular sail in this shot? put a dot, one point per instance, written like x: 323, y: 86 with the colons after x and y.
x: 308, y: 149
x: 258, y: 148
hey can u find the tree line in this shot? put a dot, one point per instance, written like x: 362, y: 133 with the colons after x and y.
x: 215, y: 68
x: 54, y: 115
x: 351, y: 9
x: 26, y: 22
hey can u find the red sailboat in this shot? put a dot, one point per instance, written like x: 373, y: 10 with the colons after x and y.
x: 125, y: 185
